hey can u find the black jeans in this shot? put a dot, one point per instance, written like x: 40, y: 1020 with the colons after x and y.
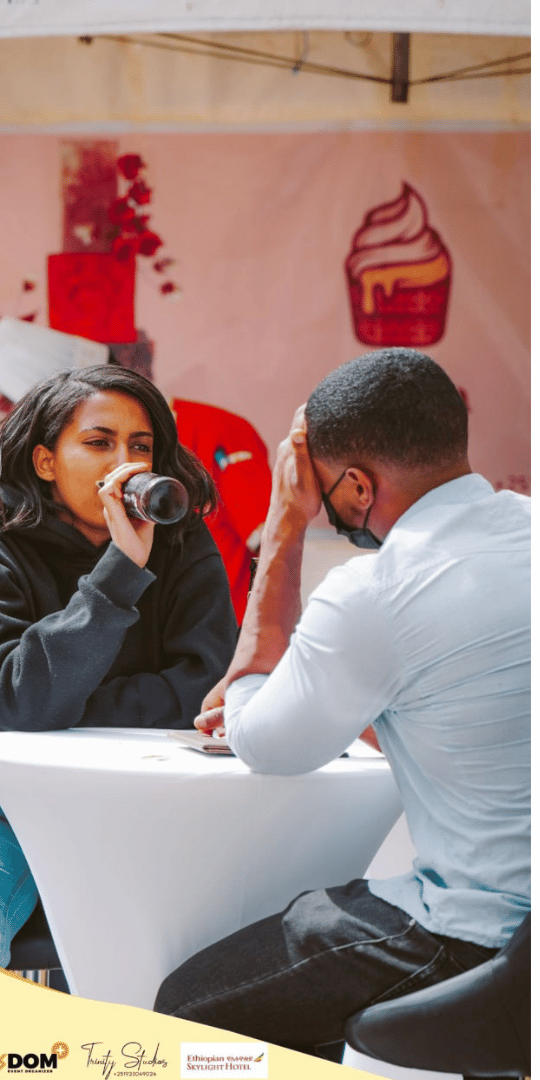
x: 295, y: 978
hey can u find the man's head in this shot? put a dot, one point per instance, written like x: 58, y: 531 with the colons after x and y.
x: 395, y: 406
x: 385, y: 428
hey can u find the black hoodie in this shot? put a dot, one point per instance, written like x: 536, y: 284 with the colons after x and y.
x: 89, y: 638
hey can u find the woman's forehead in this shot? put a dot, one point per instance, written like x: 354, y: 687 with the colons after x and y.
x: 111, y: 409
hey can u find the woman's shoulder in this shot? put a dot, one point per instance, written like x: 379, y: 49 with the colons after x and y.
x: 16, y: 576
x: 199, y: 542
x: 10, y: 555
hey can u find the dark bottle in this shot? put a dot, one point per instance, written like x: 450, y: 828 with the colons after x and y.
x: 155, y: 498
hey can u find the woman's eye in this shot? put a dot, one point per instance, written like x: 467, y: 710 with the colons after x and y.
x: 143, y: 448
x: 97, y: 442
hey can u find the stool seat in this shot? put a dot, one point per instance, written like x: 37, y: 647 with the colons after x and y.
x: 32, y: 947
x: 477, y: 1023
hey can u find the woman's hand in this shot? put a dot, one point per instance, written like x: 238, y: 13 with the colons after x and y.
x: 133, y: 536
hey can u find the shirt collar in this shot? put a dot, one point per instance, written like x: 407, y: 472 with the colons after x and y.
x: 469, y: 488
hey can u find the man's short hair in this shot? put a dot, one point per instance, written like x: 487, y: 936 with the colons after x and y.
x: 393, y: 405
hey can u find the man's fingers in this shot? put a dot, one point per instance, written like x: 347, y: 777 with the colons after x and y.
x: 209, y: 720
x: 299, y: 420
x: 215, y: 697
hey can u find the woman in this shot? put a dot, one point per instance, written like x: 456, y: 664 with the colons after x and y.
x: 105, y: 620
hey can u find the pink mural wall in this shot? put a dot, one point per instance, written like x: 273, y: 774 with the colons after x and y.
x: 260, y: 225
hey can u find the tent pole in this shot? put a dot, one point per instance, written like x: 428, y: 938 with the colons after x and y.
x: 400, y: 67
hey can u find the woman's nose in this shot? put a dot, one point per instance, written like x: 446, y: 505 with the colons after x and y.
x: 122, y: 454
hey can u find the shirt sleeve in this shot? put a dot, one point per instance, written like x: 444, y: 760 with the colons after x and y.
x: 338, y: 675
x: 43, y: 685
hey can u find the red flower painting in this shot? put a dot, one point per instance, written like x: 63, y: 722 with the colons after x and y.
x: 130, y: 165
x: 140, y: 222
x: 140, y: 193
x: 91, y: 293
x: 132, y: 234
x: 121, y: 212
x: 124, y: 247
x: 149, y: 242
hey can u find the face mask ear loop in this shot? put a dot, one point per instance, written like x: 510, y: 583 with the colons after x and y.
x: 366, y: 519
x: 327, y: 494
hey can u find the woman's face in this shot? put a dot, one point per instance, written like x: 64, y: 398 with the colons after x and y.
x: 106, y: 430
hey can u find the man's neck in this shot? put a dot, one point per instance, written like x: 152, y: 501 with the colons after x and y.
x: 399, y: 488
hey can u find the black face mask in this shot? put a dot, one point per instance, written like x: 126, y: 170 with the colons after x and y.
x: 361, y: 538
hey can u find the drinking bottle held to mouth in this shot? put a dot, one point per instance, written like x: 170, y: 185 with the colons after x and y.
x: 155, y: 498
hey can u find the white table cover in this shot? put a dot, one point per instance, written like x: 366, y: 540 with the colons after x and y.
x: 144, y: 851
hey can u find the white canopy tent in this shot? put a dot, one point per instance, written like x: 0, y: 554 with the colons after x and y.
x: 260, y: 81
x: 74, y: 17
x: 268, y: 130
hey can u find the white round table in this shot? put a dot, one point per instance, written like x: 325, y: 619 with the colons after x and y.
x: 145, y: 851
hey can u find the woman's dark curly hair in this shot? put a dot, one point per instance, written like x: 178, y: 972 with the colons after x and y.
x: 40, y: 417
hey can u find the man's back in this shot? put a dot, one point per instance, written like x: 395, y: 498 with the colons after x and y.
x: 457, y: 734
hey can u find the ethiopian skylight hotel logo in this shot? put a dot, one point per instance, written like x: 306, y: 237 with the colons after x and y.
x: 224, y: 1059
x: 34, y: 1062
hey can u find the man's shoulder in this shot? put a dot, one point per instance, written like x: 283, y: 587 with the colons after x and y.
x: 515, y: 500
x: 463, y: 516
x: 359, y: 577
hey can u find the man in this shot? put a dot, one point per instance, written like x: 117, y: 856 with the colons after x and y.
x: 426, y: 640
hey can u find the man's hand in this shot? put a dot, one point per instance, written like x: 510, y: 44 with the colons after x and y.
x: 296, y: 493
x: 274, y: 605
x: 211, y: 722
x: 211, y: 714
x: 215, y: 697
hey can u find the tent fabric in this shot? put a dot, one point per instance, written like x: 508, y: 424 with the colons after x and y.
x: 52, y: 17
x: 61, y: 81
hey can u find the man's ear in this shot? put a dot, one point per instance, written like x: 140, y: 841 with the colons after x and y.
x: 364, y: 487
x: 43, y: 460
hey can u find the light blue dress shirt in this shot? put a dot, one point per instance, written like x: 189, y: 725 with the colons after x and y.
x: 429, y: 640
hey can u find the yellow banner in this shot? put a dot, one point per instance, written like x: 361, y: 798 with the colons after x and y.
x: 43, y: 1032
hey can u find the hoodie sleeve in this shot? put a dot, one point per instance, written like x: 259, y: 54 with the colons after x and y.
x: 43, y: 684
x: 198, y: 636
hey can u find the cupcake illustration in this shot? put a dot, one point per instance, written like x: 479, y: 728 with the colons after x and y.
x: 398, y: 273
